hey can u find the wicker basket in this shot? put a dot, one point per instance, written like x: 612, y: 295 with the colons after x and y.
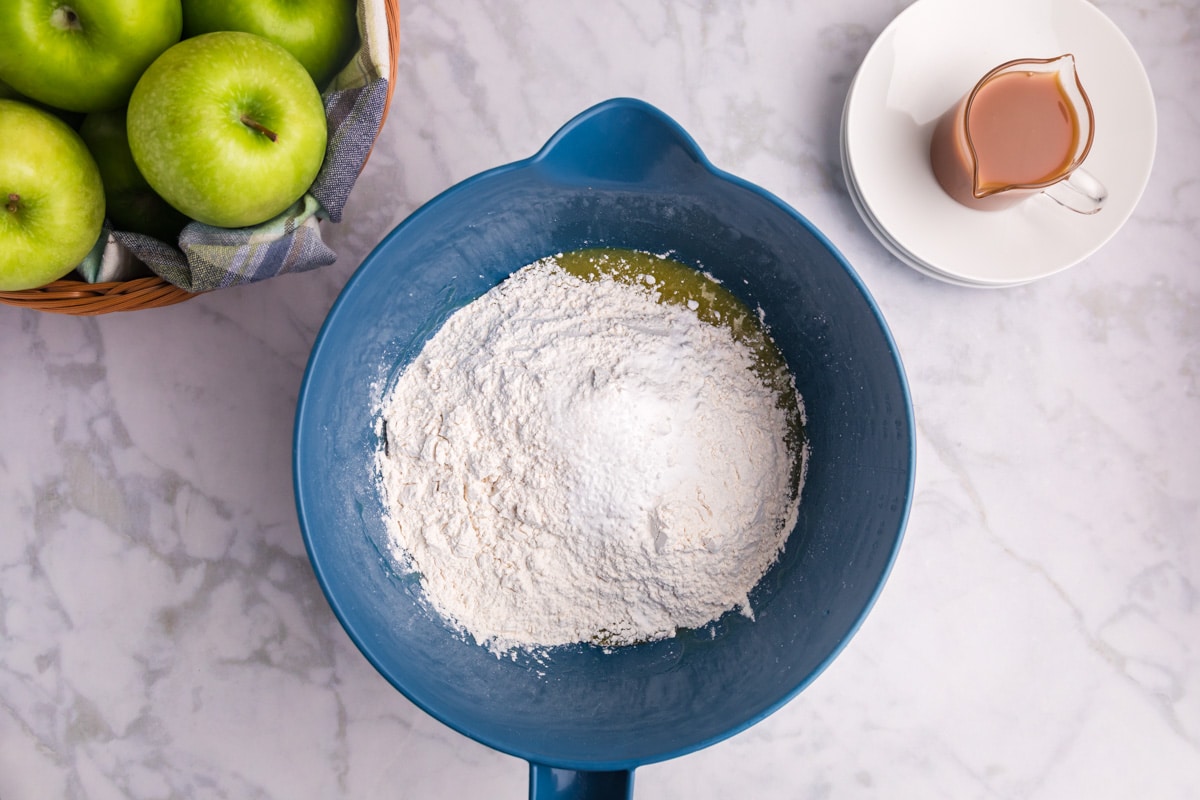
x: 89, y: 299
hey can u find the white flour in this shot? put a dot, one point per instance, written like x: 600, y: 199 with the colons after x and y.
x: 573, y: 461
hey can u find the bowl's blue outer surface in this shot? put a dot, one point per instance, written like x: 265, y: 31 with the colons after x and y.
x: 621, y: 174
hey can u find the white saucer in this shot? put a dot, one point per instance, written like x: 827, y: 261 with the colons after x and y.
x: 927, y: 58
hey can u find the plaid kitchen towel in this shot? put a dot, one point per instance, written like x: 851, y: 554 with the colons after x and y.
x: 214, y: 258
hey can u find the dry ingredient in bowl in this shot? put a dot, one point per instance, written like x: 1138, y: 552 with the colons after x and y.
x: 578, y: 456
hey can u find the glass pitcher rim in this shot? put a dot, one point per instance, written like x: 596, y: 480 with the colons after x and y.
x: 1066, y: 171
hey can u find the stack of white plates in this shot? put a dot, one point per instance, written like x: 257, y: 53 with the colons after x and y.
x: 921, y: 64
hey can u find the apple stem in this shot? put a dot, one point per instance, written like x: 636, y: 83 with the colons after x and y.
x: 66, y: 18
x: 14, y: 201
x: 258, y: 126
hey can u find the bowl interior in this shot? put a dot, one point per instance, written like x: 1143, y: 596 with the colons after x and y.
x: 622, y: 176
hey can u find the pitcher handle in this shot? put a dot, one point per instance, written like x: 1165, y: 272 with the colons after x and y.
x: 553, y: 783
x: 1081, y: 192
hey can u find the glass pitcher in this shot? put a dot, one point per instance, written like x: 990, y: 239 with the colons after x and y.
x: 1024, y: 129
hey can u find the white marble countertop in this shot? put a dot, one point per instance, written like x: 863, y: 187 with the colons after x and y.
x: 161, y: 631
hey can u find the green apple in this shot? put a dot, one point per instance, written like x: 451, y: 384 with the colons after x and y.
x: 228, y: 127
x: 132, y: 205
x: 321, y: 34
x: 83, y: 55
x: 51, y: 198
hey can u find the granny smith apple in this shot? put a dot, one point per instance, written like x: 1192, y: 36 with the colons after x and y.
x: 131, y: 204
x: 83, y: 55
x: 228, y: 127
x: 51, y: 197
x: 321, y: 34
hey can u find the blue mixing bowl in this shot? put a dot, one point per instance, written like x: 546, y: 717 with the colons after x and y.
x: 621, y: 174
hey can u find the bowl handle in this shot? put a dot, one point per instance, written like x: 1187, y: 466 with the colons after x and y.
x: 552, y: 783
x: 623, y: 141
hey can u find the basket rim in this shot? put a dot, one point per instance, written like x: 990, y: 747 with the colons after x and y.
x: 78, y: 297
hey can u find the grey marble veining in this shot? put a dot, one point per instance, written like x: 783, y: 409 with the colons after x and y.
x: 161, y: 632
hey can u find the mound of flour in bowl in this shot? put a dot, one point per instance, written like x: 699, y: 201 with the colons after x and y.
x: 571, y: 460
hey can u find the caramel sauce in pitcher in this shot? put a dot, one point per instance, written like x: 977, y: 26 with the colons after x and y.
x: 1016, y: 132
x: 1023, y: 130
